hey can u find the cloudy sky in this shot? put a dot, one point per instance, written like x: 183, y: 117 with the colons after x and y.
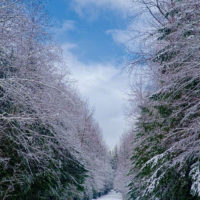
x: 94, y: 36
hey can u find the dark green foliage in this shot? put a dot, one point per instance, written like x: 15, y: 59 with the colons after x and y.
x: 39, y: 169
x: 167, y: 143
x: 33, y: 164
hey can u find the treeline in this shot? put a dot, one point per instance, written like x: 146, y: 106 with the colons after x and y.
x: 50, y: 145
x: 165, y: 155
x: 123, y: 164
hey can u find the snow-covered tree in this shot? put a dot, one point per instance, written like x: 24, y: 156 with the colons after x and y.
x: 48, y: 145
x: 96, y: 159
x: 121, y: 179
x: 167, y: 147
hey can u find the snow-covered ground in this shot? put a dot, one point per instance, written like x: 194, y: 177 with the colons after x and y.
x: 111, y: 196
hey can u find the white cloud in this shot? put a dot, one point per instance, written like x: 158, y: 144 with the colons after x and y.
x: 68, y: 25
x: 123, y: 37
x: 105, y: 87
x: 133, y: 37
x: 103, y: 84
x: 122, y: 6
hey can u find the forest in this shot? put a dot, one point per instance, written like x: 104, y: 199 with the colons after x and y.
x: 51, y: 145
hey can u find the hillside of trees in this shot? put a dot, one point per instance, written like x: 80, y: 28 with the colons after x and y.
x: 50, y: 145
x: 165, y: 150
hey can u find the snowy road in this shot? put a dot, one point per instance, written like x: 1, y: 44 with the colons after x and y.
x: 111, y: 196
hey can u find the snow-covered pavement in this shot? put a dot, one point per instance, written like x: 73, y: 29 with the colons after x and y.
x: 111, y: 196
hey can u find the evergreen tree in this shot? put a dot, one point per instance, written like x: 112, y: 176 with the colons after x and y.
x: 48, y: 144
x: 166, y: 159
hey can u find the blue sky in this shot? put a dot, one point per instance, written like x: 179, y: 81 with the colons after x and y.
x: 94, y: 35
x: 90, y: 31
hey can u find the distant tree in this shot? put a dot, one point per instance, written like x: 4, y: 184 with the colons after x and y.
x: 114, y: 158
x: 121, y: 179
